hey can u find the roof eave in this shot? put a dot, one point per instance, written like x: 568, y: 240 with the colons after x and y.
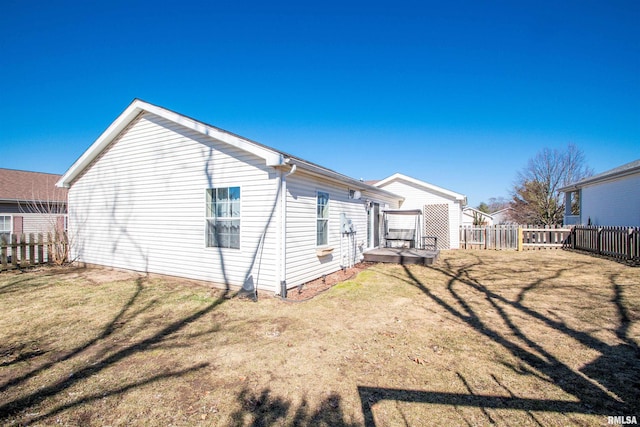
x: 603, y: 177
x: 587, y: 182
x: 457, y: 196
x: 57, y: 202
x: 338, y: 177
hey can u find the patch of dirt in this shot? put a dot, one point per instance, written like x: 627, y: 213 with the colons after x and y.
x: 311, y: 289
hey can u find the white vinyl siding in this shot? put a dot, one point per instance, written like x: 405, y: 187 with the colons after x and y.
x: 39, y: 223
x: 303, y: 262
x: 140, y: 206
x: 614, y: 203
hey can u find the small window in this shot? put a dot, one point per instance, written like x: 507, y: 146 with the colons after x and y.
x: 5, y: 228
x: 322, y: 231
x: 223, y: 217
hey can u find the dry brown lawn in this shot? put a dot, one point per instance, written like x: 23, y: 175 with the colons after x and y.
x: 534, y: 338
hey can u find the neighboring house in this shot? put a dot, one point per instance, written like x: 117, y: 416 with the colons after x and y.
x: 163, y: 193
x: 611, y: 198
x: 502, y: 216
x: 469, y: 216
x: 30, y: 203
x: 442, y: 208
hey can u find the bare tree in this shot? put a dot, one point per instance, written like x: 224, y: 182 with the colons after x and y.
x: 535, y: 197
x: 50, y: 209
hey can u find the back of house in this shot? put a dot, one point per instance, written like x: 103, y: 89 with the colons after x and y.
x: 163, y: 193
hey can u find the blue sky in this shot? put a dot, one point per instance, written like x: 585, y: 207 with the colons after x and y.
x: 459, y: 94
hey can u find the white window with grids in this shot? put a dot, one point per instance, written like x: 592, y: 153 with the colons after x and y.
x: 322, y: 219
x: 5, y: 228
x: 223, y: 217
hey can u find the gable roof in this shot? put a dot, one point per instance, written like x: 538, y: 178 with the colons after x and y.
x: 500, y: 211
x: 630, y: 168
x: 272, y: 157
x: 424, y: 185
x: 138, y: 107
x: 25, y: 186
x: 469, y: 210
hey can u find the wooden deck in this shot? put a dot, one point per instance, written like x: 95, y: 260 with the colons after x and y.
x: 402, y: 256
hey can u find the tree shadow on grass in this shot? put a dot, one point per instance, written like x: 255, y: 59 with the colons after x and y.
x: 108, y: 330
x: 22, y: 353
x: 618, y: 367
x: 106, y: 354
x: 26, y: 280
x: 607, y: 386
x: 261, y: 409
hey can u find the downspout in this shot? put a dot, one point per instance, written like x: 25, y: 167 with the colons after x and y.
x: 283, y: 230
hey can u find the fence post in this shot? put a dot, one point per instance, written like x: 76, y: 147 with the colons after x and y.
x: 463, y: 237
x: 486, y: 236
x: 32, y: 249
x: 49, y: 248
x: 3, y: 252
x: 599, y: 241
x: 14, y: 250
x: 23, y: 249
x: 520, y: 238
x: 40, y: 249
x: 466, y: 232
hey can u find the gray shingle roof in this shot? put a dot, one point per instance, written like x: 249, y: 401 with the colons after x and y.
x: 17, y: 185
x: 627, y: 168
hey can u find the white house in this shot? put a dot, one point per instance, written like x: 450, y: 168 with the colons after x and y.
x: 471, y: 215
x: 502, y: 216
x: 611, y: 198
x: 163, y: 193
x: 442, y: 208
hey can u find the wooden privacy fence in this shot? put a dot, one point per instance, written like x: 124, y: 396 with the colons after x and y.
x: 33, y: 249
x: 489, y: 237
x: 616, y: 242
x: 519, y: 237
x: 540, y: 237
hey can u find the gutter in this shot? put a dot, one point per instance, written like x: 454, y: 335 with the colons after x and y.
x: 283, y: 227
x: 598, y: 179
x: 32, y: 201
x: 353, y: 183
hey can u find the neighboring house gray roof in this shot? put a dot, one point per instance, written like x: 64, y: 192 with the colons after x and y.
x: 621, y: 171
x: 24, y: 186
